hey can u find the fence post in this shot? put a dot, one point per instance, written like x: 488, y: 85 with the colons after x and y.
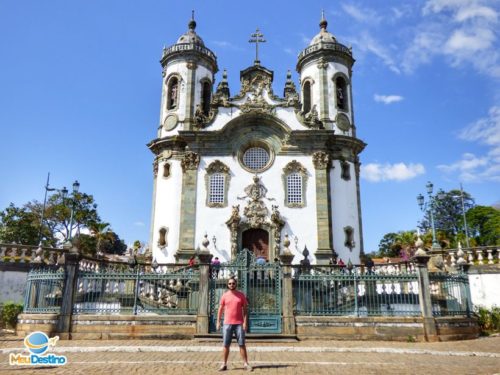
x: 72, y: 259
x: 424, y: 295
x: 202, y: 319
x: 287, y: 294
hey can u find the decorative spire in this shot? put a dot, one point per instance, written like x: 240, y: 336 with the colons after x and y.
x: 192, y: 22
x: 323, y: 23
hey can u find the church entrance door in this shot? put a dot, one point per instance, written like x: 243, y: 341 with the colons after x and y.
x: 257, y: 241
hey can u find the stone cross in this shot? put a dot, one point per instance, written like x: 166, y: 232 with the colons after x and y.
x: 257, y: 38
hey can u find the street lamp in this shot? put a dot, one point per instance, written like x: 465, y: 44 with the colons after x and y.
x: 461, y: 196
x: 430, y: 205
x: 76, y: 187
x: 64, y: 194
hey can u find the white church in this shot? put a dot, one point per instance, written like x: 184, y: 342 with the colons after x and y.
x: 248, y: 169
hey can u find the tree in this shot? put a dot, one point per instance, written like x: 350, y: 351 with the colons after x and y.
x: 448, y: 215
x: 20, y: 225
x: 484, y: 224
x: 400, y: 244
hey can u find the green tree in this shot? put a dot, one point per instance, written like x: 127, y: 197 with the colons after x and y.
x: 400, y: 244
x: 20, y: 225
x: 448, y: 216
x: 484, y: 224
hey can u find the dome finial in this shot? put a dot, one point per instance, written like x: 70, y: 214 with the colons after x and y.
x: 192, y: 22
x: 323, y: 23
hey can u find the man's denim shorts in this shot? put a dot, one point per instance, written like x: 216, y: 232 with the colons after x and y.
x: 227, y: 334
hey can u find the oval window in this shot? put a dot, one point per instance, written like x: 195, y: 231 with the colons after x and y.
x: 255, y: 158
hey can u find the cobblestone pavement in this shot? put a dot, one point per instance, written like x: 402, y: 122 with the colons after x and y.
x: 481, y: 356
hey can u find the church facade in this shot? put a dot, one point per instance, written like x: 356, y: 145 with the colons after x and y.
x: 251, y: 169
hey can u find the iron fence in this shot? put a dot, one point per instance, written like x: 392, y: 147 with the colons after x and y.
x: 334, y: 290
x: 450, y: 294
x: 44, y: 287
x: 169, y: 289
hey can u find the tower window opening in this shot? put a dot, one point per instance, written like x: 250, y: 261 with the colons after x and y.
x: 306, y: 95
x: 162, y: 241
x: 206, y: 95
x: 341, y: 93
x: 172, y: 93
x: 349, y: 237
x: 345, y: 171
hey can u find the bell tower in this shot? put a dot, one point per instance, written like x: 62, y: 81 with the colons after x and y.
x: 325, y: 69
x: 188, y: 76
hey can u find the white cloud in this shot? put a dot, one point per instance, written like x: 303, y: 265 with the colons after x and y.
x: 375, y: 172
x: 472, y: 168
x: 289, y: 51
x: 364, y: 15
x: 139, y: 224
x: 463, y: 31
x: 366, y: 43
x: 387, y: 99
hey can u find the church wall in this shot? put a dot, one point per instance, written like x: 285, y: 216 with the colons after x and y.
x: 300, y: 222
x: 167, y: 211
x: 344, y: 212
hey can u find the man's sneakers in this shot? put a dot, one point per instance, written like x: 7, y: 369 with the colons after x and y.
x: 223, y: 368
x: 247, y: 367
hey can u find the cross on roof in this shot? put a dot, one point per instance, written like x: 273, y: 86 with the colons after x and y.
x: 257, y: 38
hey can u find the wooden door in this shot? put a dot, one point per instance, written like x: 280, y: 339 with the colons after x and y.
x: 257, y: 241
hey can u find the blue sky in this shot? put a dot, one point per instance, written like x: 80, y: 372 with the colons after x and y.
x: 80, y: 87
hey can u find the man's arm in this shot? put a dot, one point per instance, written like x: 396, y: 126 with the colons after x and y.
x: 219, y: 314
x: 245, y: 316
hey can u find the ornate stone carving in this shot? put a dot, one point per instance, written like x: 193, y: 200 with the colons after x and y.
x: 155, y: 167
x: 257, y: 105
x: 321, y: 160
x: 190, y: 161
x: 217, y: 167
x: 294, y: 166
x: 277, y: 224
x: 191, y: 65
x: 256, y: 211
x: 311, y: 119
x: 233, y: 224
x: 322, y: 63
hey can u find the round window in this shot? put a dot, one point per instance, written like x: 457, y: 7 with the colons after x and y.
x: 255, y: 158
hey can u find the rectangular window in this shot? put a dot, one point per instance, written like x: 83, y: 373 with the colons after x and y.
x: 294, y: 188
x: 216, y: 188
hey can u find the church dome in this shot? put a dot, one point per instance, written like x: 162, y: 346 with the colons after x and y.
x: 323, y: 35
x: 190, y: 37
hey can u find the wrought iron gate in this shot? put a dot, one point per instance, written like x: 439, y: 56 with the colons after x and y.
x: 261, y: 283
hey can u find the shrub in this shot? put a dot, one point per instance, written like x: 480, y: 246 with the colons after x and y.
x: 9, y: 314
x: 488, y: 320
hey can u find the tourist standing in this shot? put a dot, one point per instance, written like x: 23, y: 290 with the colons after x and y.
x: 234, y: 305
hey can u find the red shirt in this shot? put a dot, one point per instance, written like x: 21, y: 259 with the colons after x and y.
x: 233, y: 303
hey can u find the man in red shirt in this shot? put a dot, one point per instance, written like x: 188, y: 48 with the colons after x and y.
x: 234, y: 305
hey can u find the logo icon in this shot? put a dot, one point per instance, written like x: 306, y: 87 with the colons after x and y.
x: 38, y: 343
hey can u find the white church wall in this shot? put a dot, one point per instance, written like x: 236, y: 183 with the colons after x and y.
x: 484, y: 288
x: 344, y: 212
x: 212, y: 220
x: 181, y: 69
x: 167, y: 211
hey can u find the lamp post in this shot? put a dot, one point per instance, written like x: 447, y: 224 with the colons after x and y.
x: 430, y: 205
x: 463, y: 213
x: 76, y: 187
x: 64, y: 194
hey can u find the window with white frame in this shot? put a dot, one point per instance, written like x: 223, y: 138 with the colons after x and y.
x: 294, y: 188
x: 216, y: 188
x: 217, y: 184
x: 295, y: 180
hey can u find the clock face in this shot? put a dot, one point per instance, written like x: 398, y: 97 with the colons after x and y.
x: 170, y: 122
x: 343, y: 122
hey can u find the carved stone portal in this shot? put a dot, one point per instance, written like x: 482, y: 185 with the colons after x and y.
x: 256, y: 215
